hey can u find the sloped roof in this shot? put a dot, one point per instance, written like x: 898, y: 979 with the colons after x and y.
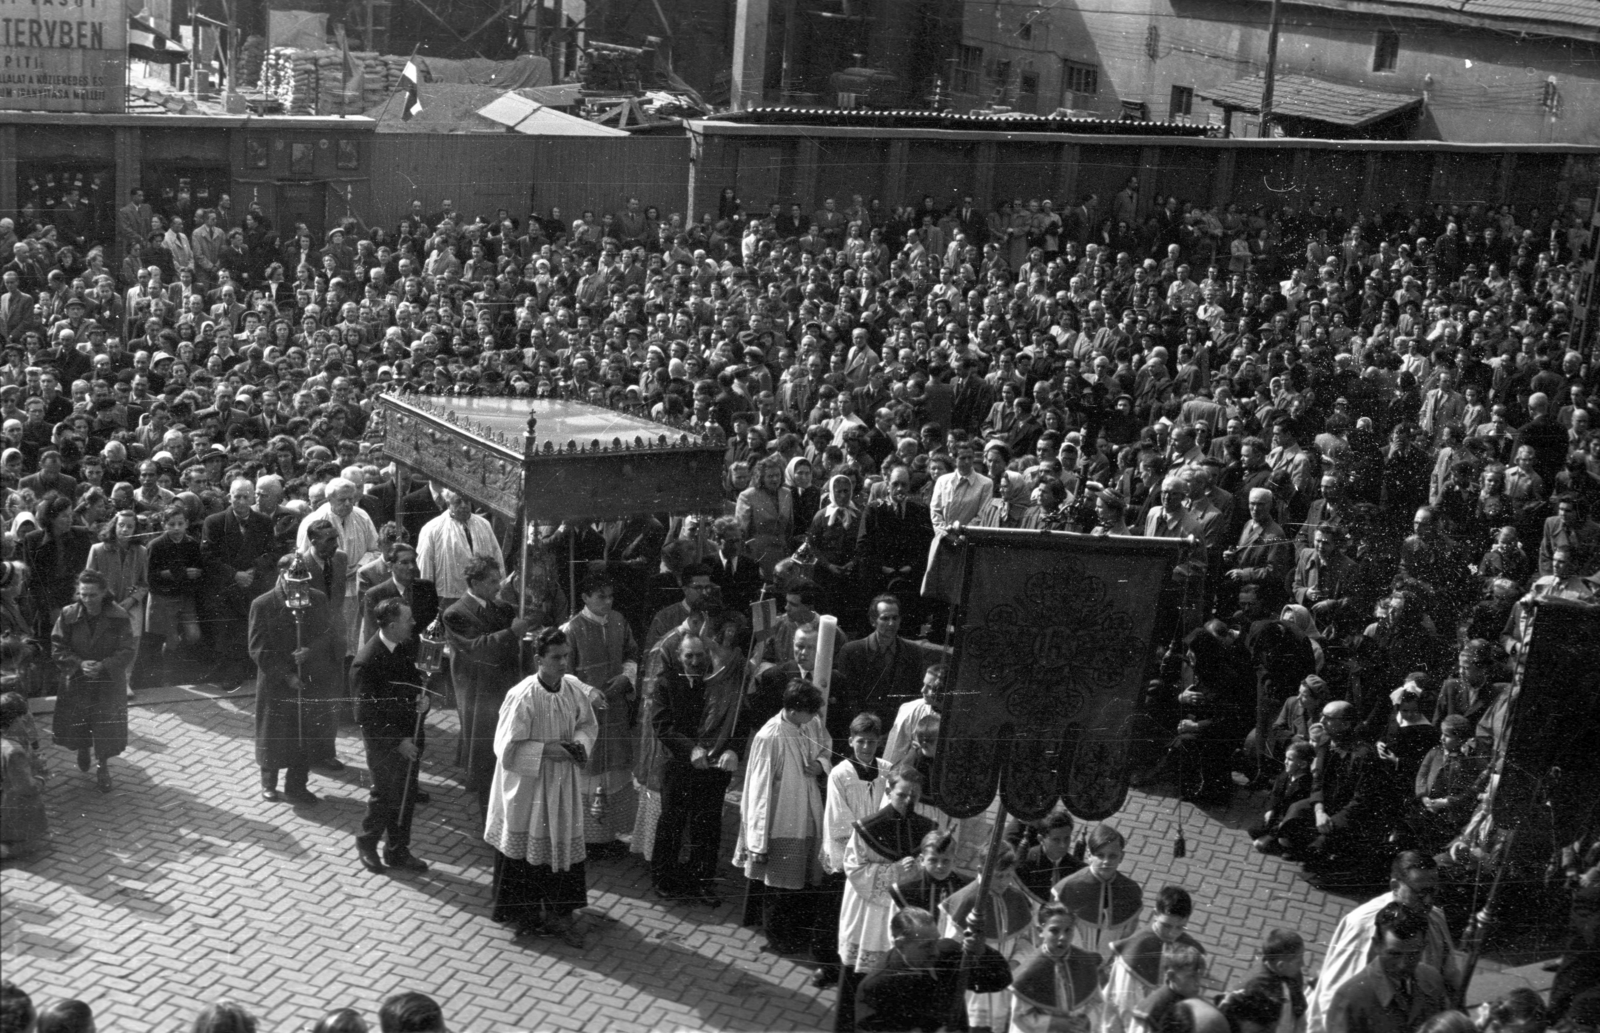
x: 449, y: 108
x: 530, y: 118
x: 1576, y: 18
x: 1302, y: 96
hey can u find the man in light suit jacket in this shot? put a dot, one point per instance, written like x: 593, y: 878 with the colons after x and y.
x: 16, y: 307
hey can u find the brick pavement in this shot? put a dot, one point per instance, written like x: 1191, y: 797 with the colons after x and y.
x: 183, y: 887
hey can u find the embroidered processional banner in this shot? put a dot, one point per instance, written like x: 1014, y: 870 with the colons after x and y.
x: 1053, y: 640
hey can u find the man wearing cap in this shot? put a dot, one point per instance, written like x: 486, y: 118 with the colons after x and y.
x: 299, y: 666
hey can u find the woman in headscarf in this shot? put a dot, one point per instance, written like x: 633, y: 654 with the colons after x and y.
x: 1303, y: 622
x: 834, y: 531
x: 10, y: 468
x: 765, y: 512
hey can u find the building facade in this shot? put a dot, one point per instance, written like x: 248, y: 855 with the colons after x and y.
x: 1503, y: 71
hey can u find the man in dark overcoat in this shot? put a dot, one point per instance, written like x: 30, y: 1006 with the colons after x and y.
x: 299, y: 670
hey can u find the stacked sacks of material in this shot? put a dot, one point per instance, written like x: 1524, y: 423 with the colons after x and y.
x: 329, y: 92
x: 375, y: 87
x: 252, y: 57
x: 291, y: 76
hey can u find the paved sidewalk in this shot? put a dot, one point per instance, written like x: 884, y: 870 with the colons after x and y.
x: 182, y: 887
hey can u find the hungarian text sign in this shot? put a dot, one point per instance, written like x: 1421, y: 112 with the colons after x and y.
x: 63, y: 55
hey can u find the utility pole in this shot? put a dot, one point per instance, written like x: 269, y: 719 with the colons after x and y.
x: 1272, y: 71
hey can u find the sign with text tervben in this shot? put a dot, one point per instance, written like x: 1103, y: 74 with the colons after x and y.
x: 63, y: 55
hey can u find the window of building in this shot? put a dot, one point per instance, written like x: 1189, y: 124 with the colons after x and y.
x: 1182, y: 105
x: 969, y: 69
x: 1028, y: 93
x: 1026, y: 31
x: 1077, y: 77
x: 1386, y: 52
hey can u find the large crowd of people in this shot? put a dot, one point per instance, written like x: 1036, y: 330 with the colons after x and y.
x: 1371, y: 433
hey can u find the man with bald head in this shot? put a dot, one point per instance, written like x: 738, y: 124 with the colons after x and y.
x: 1545, y: 436
x: 1336, y: 827
x: 449, y: 540
x: 239, y: 547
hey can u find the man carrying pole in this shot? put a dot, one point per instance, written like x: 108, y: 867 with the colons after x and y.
x: 299, y: 660
x: 390, y: 706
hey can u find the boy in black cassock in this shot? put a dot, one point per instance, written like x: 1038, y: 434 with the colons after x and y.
x: 935, y: 879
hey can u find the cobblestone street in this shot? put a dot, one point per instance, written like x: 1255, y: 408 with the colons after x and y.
x: 182, y: 887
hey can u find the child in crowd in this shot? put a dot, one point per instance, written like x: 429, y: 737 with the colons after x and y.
x: 1005, y: 921
x: 1183, y: 976
x: 882, y: 851
x: 1058, y: 989
x: 1252, y: 1008
x: 69, y: 1016
x: 1049, y: 858
x: 176, y: 569
x: 1138, y: 968
x: 1282, y: 974
x: 1105, y: 902
x: 1445, y: 789
x: 936, y: 879
x: 1291, y: 786
x: 856, y: 787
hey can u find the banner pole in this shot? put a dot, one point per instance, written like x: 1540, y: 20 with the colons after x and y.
x: 985, y: 880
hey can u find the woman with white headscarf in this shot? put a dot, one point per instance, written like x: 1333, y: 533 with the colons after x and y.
x: 834, y: 533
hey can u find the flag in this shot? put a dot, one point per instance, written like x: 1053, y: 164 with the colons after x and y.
x: 1052, y: 642
x: 411, y: 82
x: 763, y: 618
x: 349, y: 63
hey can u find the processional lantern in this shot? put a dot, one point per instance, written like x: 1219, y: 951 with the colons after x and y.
x: 430, y: 649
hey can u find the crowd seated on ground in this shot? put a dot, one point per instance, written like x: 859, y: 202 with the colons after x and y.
x: 1371, y: 431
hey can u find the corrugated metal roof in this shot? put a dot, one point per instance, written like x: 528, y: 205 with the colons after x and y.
x: 1578, y: 14
x: 914, y: 119
x: 1301, y: 96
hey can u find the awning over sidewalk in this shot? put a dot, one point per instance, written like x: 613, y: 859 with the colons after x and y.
x: 1318, y: 100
